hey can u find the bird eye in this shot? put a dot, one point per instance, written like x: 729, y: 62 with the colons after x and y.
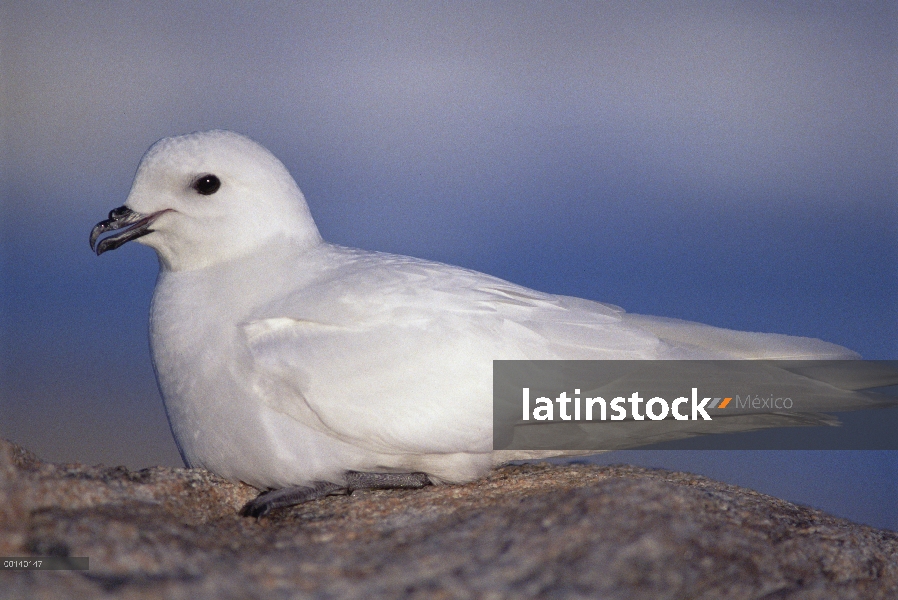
x: 206, y: 184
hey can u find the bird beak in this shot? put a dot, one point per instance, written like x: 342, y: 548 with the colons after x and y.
x: 136, y: 225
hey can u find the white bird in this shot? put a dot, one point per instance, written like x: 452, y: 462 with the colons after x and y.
x: 304, y: 368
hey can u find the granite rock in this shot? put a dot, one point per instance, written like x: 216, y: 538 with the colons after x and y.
x: 576, y: 531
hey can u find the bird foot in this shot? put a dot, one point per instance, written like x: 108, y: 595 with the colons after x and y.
x: 265, y: 502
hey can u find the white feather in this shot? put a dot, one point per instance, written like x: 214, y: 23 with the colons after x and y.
x: 284, y: 360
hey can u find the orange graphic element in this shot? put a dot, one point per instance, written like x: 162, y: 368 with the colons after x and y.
x: 724, y: 403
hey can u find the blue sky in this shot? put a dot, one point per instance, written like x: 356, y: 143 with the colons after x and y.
x: 729, y: 163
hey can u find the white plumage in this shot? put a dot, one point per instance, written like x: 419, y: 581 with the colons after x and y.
x: 284, y: 360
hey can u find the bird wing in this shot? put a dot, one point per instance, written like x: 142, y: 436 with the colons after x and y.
x: 699, y: 338
x: 395, y: 353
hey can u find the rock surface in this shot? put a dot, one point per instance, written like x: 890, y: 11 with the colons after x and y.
x: 562, y: 531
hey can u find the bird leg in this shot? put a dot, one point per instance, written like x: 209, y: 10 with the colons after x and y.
x: 358, y: 480
x: 265, y: 502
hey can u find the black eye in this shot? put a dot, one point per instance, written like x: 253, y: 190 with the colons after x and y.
x: 206, y: 184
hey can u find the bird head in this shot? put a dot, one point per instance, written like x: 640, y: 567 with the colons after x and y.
x: 204, y: 198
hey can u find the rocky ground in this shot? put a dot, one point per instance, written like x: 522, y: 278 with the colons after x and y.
x: 560, y: 531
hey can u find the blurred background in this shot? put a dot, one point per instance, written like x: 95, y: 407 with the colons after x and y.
x: 729, y: 163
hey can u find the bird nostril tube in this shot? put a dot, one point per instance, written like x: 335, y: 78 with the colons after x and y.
x: 118, y: 213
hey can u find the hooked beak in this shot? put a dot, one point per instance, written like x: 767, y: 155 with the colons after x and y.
x: 136, y: 225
